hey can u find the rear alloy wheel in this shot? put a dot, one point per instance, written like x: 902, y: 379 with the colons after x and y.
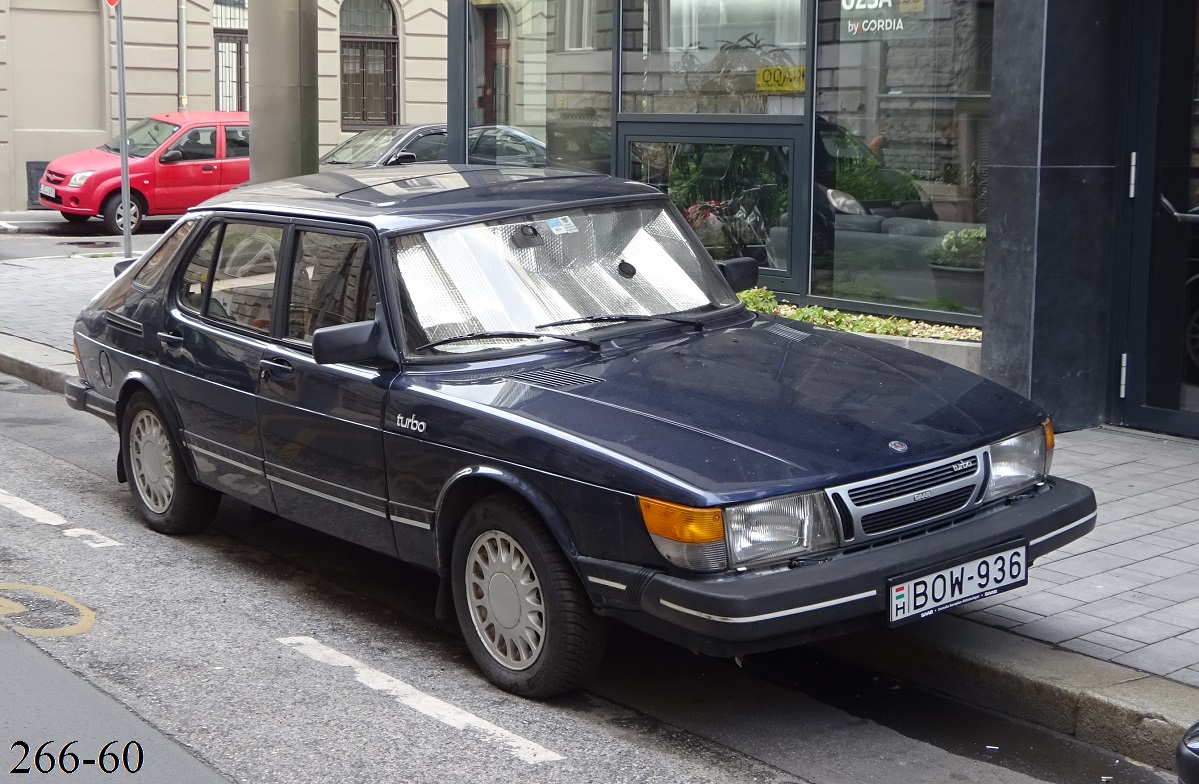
x: 113, y: 213
x: 169, y: 501
x: 74, y: 217
x: 527, y: 620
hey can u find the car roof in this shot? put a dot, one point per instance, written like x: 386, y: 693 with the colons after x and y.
x: 188, y: 118
x: 416, y: 196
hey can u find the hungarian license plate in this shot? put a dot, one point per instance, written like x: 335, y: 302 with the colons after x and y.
x: 919, y: 597
x: 46, y: 190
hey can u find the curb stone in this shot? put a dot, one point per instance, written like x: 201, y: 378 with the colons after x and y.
x: 1115, y: 707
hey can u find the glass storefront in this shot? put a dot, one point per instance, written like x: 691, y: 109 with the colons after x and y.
x: 541, y: 70
x: 854, y: 170
x: 900, y: 159
x: 714, y: 56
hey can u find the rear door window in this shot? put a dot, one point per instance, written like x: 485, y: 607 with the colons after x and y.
x: 231, y: 276
x: 237, y: 141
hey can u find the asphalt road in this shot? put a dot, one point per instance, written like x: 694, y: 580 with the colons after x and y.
x: 265, y: 652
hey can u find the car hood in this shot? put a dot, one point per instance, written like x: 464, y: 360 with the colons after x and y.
x: 94, y: 159
x: 745, y: 411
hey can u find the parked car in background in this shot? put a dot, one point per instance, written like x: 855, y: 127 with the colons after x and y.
x: 491, y: 144
x: 537, y: 384
x: 176, y: 161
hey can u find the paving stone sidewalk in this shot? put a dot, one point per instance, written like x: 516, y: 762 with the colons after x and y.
x: 1127, y: 593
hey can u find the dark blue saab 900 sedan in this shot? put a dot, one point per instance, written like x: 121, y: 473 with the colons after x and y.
x: 537, y: 384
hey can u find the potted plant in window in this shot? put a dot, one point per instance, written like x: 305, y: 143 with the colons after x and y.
x: 956, y: 264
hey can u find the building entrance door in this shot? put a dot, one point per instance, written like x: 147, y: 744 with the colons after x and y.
x: 1159, y: 376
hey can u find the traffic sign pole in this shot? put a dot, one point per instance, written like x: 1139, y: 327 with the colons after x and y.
x: 126, y: 207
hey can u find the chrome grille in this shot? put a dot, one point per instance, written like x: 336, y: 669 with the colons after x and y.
x: 881, y: 522
x: 54, y: 178
x: 914, y: 483
x: 905, y: 499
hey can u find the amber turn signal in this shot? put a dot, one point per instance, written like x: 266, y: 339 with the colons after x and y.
x: 1048, y: 434
x: 682, y: 523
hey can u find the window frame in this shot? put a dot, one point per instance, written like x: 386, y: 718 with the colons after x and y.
x: 360, y: 44
x: 578, y: 16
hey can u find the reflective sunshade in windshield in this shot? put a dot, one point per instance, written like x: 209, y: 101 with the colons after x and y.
x: 607, y: 264
x: 144, y: 137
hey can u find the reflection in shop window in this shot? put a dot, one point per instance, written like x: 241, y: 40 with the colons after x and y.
x: 735, y: 196
x: 714, y: 57
x: 901, y: 151
x: 544, y: 68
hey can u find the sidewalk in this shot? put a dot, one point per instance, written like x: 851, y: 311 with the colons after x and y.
x: 1103, y: 643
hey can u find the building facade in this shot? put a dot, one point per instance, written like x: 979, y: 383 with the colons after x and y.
x: 1028, y: 166
x: 378, y: 62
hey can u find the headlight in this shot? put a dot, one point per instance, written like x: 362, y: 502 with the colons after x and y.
x: 843, y: 202
x: 78, y: 178
x: 1020, y: 462
x: 712, y: 539
x: 780, y: 527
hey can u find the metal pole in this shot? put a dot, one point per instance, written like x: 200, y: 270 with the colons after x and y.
x: 123, y: 122
x: 183, y: 55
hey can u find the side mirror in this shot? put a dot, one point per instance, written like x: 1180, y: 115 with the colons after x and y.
x: 362, y: 341
x: 402, y: 157
x: 171, y: 156
x: 742, y: 274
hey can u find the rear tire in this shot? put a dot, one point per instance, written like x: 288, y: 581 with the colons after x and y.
x: 168, y: 500
x: 527, y: 621
x: 114, y: 215
x: 74, y: 217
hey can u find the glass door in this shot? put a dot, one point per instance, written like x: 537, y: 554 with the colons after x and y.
x: 735, y: 185
x: 1160, y: 380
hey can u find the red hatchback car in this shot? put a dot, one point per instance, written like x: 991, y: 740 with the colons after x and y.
x: 176, y: 161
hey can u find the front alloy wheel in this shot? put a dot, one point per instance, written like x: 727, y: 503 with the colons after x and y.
x: 505, y: 600
x: 527, y: 621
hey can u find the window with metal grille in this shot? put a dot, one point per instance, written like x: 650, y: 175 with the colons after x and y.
x: 369, y: 56
x: 232, y: 45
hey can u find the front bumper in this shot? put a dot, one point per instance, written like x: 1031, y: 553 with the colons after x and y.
x: 736, y: 614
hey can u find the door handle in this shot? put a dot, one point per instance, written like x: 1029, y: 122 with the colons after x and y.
x: 170, y: 339
x: 208, y: 167
x: 279, y: 368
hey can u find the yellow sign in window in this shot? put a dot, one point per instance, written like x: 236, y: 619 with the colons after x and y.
x: 778, y: 79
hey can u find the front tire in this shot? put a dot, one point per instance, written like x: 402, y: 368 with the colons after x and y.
x: 527, y: 621
x: 74, y: 217
x: 168, y: 500
x: 114, y: 215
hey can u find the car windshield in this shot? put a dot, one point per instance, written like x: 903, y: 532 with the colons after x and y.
x: 531, y: 275
x: 144, y: 138
x: 366, y: 147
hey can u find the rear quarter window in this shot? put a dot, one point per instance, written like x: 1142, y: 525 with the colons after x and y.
x: 157, y: 258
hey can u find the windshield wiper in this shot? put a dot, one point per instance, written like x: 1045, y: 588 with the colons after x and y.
x: 697, y: 323
x: 594, y: 346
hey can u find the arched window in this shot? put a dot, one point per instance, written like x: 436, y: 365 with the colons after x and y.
x: 231, y: 41
x: 369, y: 53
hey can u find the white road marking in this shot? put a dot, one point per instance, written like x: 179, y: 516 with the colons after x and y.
x: 91, y: 538
x: 408, y: 695
x: 11, y: 229
x: 46, y: 517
